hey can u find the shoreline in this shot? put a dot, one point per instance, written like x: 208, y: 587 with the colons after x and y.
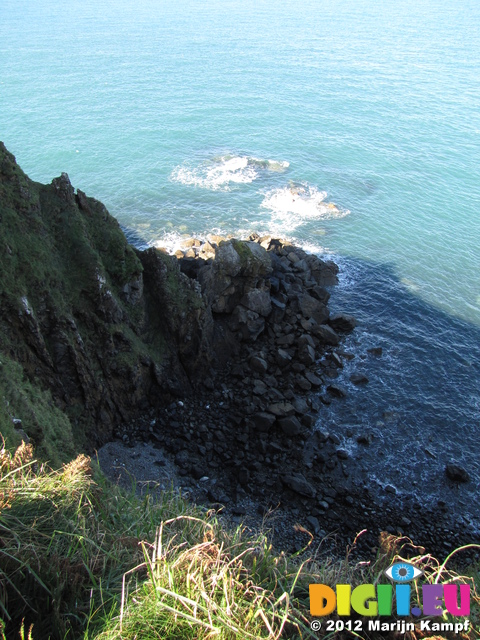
x: 296, y: 469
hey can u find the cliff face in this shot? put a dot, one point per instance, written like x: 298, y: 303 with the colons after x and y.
x: 107, y: 331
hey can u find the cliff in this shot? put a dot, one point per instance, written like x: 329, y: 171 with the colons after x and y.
x: 84, y: 318
x: 94, y: 334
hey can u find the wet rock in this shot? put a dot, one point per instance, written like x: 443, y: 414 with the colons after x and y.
x: 342, y: 322
x: 342, y: 454
x: 359, y: 378
x: 456, y: 473
x: 337, y: 391
x: 375, y: 351
x: 364, y: 438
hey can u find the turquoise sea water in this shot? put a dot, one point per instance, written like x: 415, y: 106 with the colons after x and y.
x: 190, y: 117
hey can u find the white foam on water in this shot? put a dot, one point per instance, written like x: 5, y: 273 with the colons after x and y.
x: 294, y: 205
x: 221, y: 171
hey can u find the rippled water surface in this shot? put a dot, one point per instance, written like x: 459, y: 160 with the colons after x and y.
x: 350, y: 127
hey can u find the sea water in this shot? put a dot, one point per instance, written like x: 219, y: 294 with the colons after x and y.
x: 351, y: 127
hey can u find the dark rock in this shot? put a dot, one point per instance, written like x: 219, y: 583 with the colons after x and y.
x: 263, y: 421
x: 306, y: 355
x: 342, y: 322
x: 336, y: 391
x: 359, y: 378
x: 258, y: 301
x: 290, y: 426
x: 321, y: 294
x: 342, y: 454
x: 298, y: 483
x: 325, y: 334
x: 375, y: 351
x: 314, y: 380
x: 250, y: 324
x: 281, y: 409
x: 312, y: 308
x: 258, y: 364
x: 283, y: 358
x: 456, y: 473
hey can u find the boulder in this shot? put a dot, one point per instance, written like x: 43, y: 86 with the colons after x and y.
x: 263, y: 421
x: 311, y: 308
x: 258, y: 301
x: 281, y: 409
x: 342, y: 322
x: 456, y: 473
x: 359, y: 378
x: 290, y: 426
x: 298, y: 483
x: 325, y: 334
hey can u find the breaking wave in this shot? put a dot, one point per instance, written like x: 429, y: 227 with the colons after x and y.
x: 221, y: 171
x: 293, y: 205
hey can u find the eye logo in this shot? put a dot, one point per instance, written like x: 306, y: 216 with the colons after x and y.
x: 403, y: 572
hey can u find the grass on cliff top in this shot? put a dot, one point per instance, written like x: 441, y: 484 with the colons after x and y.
x: 79, y: 558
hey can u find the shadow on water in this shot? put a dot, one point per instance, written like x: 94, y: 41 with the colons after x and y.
x: 421, y: 406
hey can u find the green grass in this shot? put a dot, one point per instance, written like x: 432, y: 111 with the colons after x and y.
x: 42, y: 421
x: 79, y: 558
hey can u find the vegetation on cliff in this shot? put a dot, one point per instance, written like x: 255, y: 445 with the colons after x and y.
x: 84, y: 318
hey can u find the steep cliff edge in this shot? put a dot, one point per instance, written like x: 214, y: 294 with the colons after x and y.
x: 90, y: 321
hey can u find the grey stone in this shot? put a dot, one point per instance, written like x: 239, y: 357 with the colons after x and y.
x: 312, y: 308
x: 283, y: 358
x: 298, y: 483
x: 321, y: 294
x: 258, y: 301
x: 281, y: 409
x: 325, y: 334
x: 314, y: 380
x: 290, y: 426
x: 248, y: 322
x: 306, y: 355
x: 342, y: 322
x: 314, y: 523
